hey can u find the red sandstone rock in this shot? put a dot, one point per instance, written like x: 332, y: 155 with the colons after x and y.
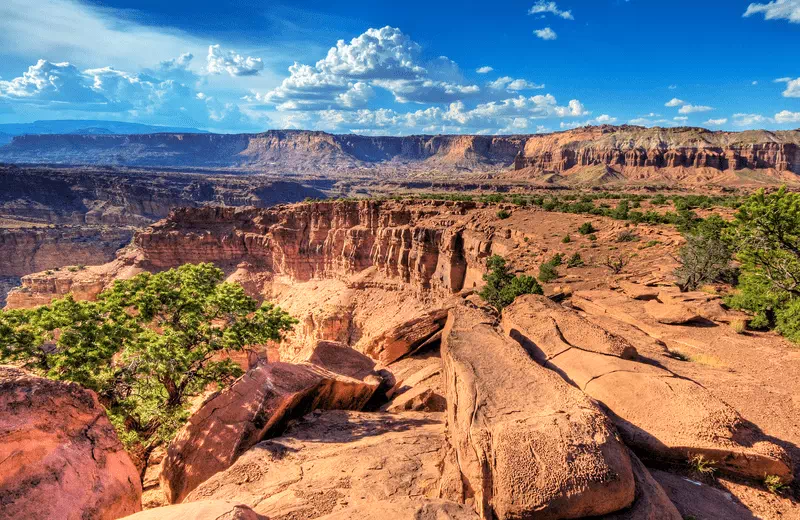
x: 60, y: 456
x: 659, y: 415
x: 257, y: 406
x: 529, y: 445
x: 205, y: 510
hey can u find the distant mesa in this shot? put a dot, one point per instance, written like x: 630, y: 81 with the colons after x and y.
x: 589, y: 155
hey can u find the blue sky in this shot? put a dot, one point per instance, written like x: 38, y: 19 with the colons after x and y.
x: 406, y: 67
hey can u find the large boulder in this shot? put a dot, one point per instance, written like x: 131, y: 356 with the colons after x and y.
x: 339, y: 358
x: 60, y: 455
x: 528, y: 444
x: 329, y: 462
x: 256, y: 407
x: 407, y: 337
x: 651, y: 502
x: 205, y: 510
x: 661, y: 416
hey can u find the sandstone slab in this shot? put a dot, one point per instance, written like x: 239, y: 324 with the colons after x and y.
x: 406, y: 337
x: 339, y: 358
x: 528, y: 444
x: 257, y: 406
x: 672, y: 313
x: 418, y: 509
x: 60, y: 455
x: 204, y: 510
x: 660, y: 415
x: 651, y: 502
x: 332, y: 461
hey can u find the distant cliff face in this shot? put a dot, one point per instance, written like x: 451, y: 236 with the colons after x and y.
x: 631, y: 152
x: 634, y: 147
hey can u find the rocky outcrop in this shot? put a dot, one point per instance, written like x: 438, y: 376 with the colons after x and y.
x: 331, y: 462
x: 28, y: 250
x: 546, y: 454
x: 429, y: 246
x: 689, y: 420
x: 255, y: 407
x: 61, y: 457
x: 204, y: 510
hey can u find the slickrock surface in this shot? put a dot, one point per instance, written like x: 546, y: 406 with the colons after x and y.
x: 529, y: 445
x: 658, y: 414
x: 60, y: 456
x: 339, y: 358
x: 330, y: 462
x: 418, y: 509
x: 205, y: 510
x: 257, y: 406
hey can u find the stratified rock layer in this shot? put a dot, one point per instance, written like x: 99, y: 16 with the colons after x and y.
x: 528, y: 444
x: 60, y: 456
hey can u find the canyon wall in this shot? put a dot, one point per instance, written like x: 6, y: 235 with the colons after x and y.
x: 323, y: 154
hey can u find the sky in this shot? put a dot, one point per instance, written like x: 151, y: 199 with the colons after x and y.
x: 397, y: 68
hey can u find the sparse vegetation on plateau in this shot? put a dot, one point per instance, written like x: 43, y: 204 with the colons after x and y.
x: 503, y: 214
x: 502, y: 287
x: 702, y: 466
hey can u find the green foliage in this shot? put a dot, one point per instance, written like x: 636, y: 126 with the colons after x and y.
x: 705, y: 257
x: 618, y: 262
x: 702, y: 466
x: 592, y: 237
x: 548, y: 271
x: 586, y: 228
x: 766, y: 236
x: 658, y: 200
x: 502, y: 287
x: 503, y: 214
x: 575, y: 261
x: 146, y: 346
x: 774, y: 484
x: 566, y: 240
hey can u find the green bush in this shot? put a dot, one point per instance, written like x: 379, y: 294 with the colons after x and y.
x: 566, y: 240
x: 575, y: 261
x: 627, y: 236
x: 502, y: 287
x: 586, y: 228
x: 503, y: 214
x: 592, y: 237
x: 547, y: 272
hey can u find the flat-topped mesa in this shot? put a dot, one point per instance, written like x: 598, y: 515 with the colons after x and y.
x: 634, y: 147
x: 427, y: 245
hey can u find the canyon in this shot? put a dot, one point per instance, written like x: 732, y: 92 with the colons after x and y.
x: 400, y: 391
x: 630, y: 153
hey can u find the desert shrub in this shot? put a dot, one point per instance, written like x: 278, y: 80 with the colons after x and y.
x: 702, y: 466
x: 702, y: 260
x: 739, y: 326
x: 575, y: 261
x: 592, y: 237
x: 566, y: 240
x: 502, y: 287
x: 618, y: 262
x: 586, y: 228
x: 627, y: 236
x: 147, y: 346
x: 658, y: 200
x: 556, y: 260
x: 774, y: 484
x: 547, y: 272
x: 503, y: 214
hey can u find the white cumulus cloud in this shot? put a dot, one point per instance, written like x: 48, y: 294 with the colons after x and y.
x: 484, y: 70
x: 693, y: 109
x: 545, y: 34
x: 542, y: 7
x: 792, y: 87
x: 716, y: 122
x: 786, y: 116
x: 220, y: 61
x: 776, y: 10
x: 509, y: 83
x: 674, y: 102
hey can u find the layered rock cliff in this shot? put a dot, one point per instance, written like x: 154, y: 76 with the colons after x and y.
x: 623, y: 148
